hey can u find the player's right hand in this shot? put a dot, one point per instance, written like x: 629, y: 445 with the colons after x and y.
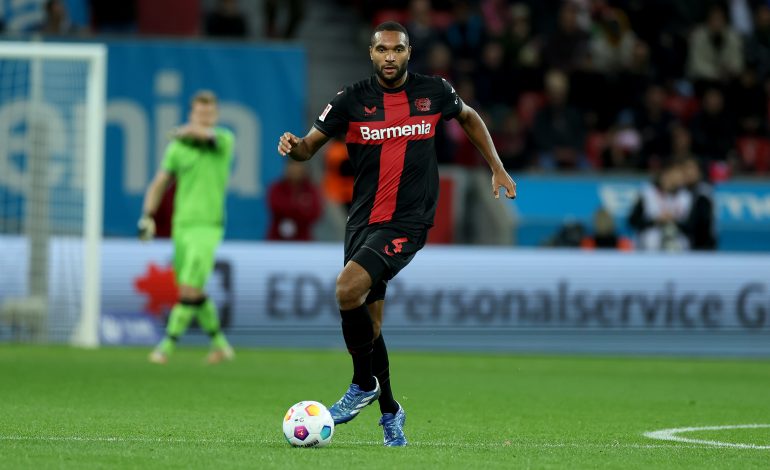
x: 146, y: 226
x: 287, y: 143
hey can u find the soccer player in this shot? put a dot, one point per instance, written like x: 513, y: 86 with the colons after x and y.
x: 389, y: 123
x: 199, y: 159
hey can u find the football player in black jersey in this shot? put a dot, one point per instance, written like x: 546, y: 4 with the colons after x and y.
x: 388, y: 121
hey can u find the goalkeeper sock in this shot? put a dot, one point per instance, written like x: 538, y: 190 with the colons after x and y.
x: 358, y: 333
x: 178, y: 321
x: 208, y: 318
x: 381, y: 367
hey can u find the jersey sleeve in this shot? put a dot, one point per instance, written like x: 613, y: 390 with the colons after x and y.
x: 451, y: 104
x: 170, y: 161
x: 334, y: 118
x: 225, y: 142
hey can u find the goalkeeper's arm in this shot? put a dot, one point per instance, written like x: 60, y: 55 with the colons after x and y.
x: 152, y: 200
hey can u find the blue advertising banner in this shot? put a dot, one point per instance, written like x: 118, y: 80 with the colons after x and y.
x: 546, y: 202
x: 261, y: 92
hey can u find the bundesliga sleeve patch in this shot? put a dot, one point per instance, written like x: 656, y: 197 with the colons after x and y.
x: 326, y: 111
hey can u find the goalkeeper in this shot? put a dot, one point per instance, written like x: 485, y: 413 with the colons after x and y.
x: 199, y: 159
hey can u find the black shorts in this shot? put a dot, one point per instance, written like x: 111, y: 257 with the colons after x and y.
x: 383, y: 250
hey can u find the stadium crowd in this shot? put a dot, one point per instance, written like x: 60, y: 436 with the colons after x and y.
x: 601, y: 84
x: 563, y: 84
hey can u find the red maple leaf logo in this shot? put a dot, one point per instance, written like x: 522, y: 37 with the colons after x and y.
x: 158, y: 284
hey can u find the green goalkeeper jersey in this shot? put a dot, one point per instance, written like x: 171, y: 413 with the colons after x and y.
x: 202, y: 170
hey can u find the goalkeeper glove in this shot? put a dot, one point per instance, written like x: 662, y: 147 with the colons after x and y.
x: 146, y: 226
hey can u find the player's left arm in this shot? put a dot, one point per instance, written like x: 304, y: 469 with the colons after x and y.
x: 477, y: 131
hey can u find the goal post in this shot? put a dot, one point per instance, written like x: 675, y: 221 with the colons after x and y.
x: 52, y: 123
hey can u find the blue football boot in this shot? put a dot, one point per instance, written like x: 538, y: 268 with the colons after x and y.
x: 353, y: 401
x: 393, y: 427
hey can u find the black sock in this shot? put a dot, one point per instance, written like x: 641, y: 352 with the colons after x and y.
x: 381, y: 367
x: 358, y: 333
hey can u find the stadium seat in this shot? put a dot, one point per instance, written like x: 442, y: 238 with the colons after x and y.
x: 755, y: 153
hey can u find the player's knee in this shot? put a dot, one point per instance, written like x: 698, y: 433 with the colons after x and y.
x: 348, y: 295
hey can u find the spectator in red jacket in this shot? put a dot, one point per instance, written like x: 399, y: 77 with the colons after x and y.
x: 295, y: 205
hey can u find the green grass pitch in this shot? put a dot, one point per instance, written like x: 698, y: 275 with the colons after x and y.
x: 109, y: 408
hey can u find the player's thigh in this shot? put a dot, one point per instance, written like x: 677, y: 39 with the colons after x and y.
x: 197, y: 255
x: 388, y: 250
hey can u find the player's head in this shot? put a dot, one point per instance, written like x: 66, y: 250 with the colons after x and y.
x: 203, y: 109
x: 389, y: 50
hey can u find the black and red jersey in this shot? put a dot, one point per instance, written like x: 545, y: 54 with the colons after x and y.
x: 390, y: 135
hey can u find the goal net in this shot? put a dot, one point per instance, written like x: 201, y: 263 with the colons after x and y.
x: 52, y: 102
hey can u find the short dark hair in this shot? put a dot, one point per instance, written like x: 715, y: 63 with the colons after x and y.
x: 389, y: 26
x: 204, y: 97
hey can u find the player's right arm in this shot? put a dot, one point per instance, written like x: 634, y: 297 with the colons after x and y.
x: 289, y: 145
x: 332, y: 121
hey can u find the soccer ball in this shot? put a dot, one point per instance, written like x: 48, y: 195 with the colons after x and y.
x: 308, y: 424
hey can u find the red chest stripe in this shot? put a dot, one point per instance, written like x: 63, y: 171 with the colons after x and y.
x: 393, y: 134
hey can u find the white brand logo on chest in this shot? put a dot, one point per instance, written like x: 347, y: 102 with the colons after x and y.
x: 423, y: 128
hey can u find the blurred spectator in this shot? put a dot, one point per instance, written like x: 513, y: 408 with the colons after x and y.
x: 109, y: 16
x: 612, y: 46
x: 338, y: 174
x: 465, y: 36
x: 495, y: 15
x: 654, y: 123
x: 510, y: 142
x: 492, y: 80
x: 716, y: 51
x: 295, y: 204
x: 422, y: 34
x: 749, y: 99
x: 56, y: 21
x: 570, y: 235
x: 521, y: 50
x: 713, y: 132
x: 558, y: 129
x: 701, y: 221
x: 758, y: 44
x: 605, y: 236
x: 440, y: 62
x: 681, y: 144
x: 636, y: 79
x: 623, y: 147
x: 567, y: 47
x: 227, y: 20
x: 740, y: 15
x: 660, y: 213
x: 295, y: 12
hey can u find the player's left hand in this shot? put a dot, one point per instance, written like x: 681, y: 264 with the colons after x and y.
x: 146, y: 228
x: 502, y: 178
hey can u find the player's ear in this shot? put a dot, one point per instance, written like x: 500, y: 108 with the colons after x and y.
x: 409, y: 53
x: 370, y: 53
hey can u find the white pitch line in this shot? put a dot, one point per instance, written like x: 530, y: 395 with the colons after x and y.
x: 182, y: 440
x: 672, y: 435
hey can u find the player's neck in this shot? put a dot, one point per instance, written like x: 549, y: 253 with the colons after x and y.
x: 398, y: 84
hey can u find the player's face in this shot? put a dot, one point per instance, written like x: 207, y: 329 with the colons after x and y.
x: 390, y: 56
x: 204, y: 114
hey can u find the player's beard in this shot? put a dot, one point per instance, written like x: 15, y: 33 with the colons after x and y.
x: 401, y: 70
